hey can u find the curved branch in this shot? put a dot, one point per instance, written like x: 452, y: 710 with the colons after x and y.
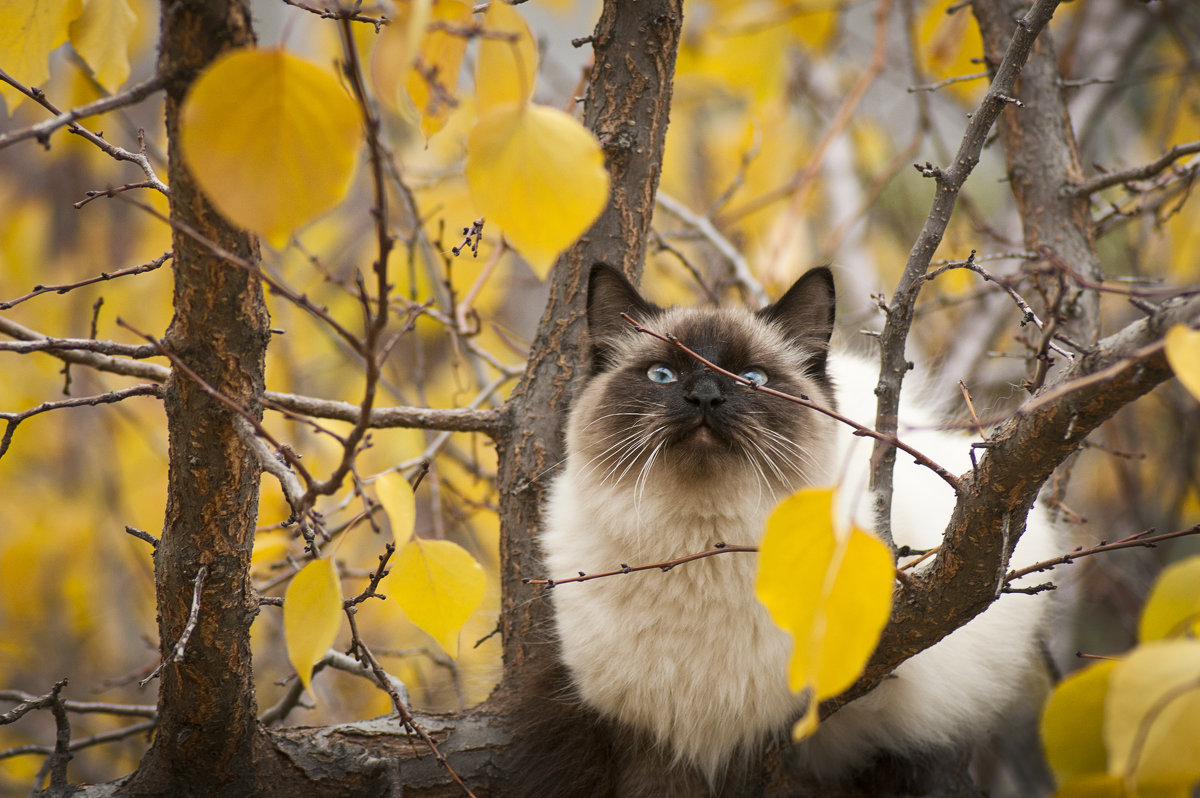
x: 969, y: 570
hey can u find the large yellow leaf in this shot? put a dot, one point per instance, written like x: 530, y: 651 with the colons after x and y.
x: 396, y: 49
x: 396, y: 496
x: 539, y: 174
x: 101, y: 37
x: 312, y: 615
x: 1152, y: 718
x: 832, y: 592
x: 433, y: 81
x: 438, y: 585
x: 29, y: 31
x: 271, y: 139
x: 1073, y: 722
x: 504, y: 70
x: 1183, y: 355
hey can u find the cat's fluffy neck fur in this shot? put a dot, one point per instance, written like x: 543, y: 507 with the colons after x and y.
x: 690, y: 657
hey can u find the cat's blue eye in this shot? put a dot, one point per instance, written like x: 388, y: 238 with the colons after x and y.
x: 661, y: 374
x: 756, y: 376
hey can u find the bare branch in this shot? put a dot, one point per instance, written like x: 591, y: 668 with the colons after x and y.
x: 84, y: 742
x: 42, y: 130
x: 482, y: 420
x: 12, y: 420
x: 1145, y: 539
x: 180, y: 647
x: 1101, y: 182
x: 83, y: 707
x: 665, y: 565
x: 62, y: 289
x: 137, y: 93
x: 737, y: 261
x: 950, y: 180
x: 100, y: 362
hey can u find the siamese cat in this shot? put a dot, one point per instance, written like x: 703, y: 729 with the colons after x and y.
x: 673, y: 682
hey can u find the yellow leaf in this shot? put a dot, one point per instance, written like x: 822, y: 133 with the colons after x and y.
x: 396, y: 49
x: 101, y: 37
x: 1073, y: 722
x: 832, y: 592
x: 1173, y: 607
x: 29, y: 31
x: 433, y: 81
x: 539, y: 174
x: 312, y: 615
x: 1152, y: 717
x: 504, y: 70
x: 438, y: 585
x: 271, y: 139
x: 396, y: 496
x: 1183, y: 355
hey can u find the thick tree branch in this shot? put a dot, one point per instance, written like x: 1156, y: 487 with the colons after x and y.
x: 87, y: 352
x: 969, y: 570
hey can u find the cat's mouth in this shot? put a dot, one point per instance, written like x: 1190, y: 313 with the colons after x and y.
x: 703, y: 433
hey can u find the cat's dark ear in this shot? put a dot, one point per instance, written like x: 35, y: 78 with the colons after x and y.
x: 805, y: 313
x: 609, y: 295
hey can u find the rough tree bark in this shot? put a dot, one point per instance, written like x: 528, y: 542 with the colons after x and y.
x: 628, y: 101
x: 208, y: 730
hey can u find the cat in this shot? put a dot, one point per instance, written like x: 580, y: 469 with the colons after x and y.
x: 678, y: 680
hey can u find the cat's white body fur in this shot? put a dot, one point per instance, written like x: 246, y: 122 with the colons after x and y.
x: 692, y: 657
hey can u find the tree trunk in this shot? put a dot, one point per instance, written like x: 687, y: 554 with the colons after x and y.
x: 208, y: 729
x: 628, y: 100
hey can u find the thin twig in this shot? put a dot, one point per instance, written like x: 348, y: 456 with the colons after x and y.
x: 1144, y: 172
x: 1143, y: 539
x: 12, y: 420
x: 665, y: 565
x: 180, y: 648
x: 85, y: 707
x: 128, y: 97
x: 62, y: 289
x: 741, y: 269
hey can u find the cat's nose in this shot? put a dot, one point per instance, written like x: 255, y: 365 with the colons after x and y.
x: 705, y: 393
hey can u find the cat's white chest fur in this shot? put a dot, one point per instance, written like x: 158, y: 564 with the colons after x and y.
x: 691, y: 657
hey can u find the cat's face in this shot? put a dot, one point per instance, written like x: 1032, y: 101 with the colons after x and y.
x: 650, y: 412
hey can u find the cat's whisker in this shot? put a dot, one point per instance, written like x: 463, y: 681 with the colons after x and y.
x: 618, y: 450
x: 640, y: 484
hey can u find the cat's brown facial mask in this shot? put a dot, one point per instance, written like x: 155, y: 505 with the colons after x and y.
x: 647, y: 401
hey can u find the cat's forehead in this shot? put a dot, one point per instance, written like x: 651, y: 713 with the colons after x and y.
x: 733, y: 334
